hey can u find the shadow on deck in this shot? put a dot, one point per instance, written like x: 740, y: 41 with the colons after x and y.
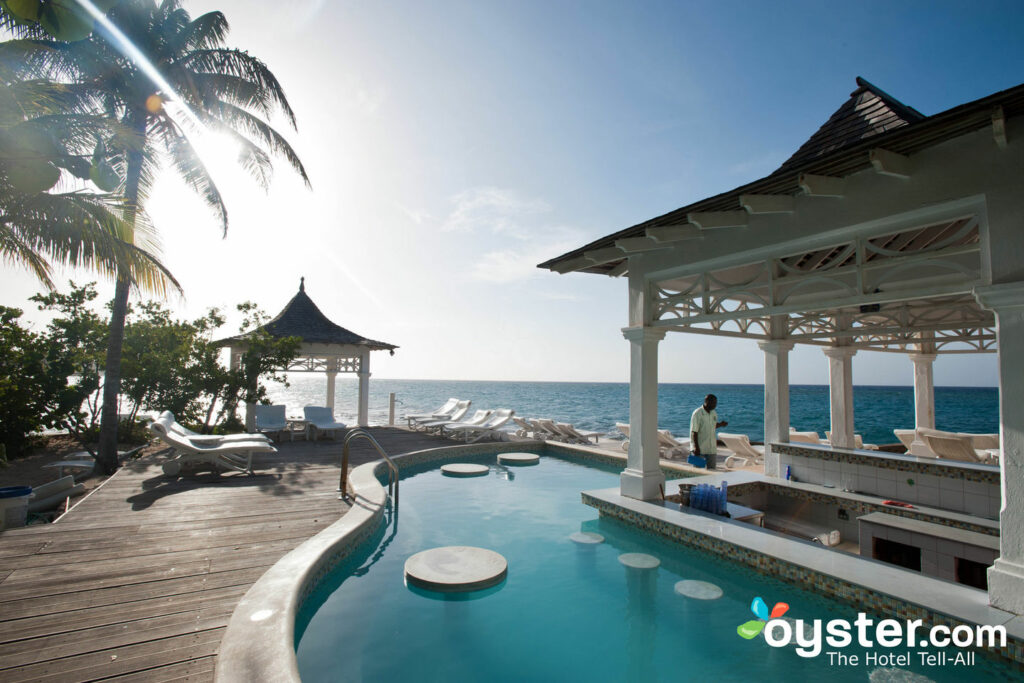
x: 140, y: 578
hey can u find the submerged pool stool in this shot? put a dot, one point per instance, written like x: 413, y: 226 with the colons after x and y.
x: 518, y: 458
x: 456, y: 568
x: 639, y: 560
x: 586, y: 538
x: 464, y: 469
x: 698, y: 590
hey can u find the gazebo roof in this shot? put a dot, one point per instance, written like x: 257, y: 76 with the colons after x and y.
x: 869, y: 119
x: 868, y: 112
x: 302, y: 318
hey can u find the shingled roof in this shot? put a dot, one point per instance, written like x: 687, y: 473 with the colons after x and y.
x: 869, y: 112
x: 302, y: 318
x: 836, y: 150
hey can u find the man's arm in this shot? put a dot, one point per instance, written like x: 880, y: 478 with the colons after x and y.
x: 723, y: 423
x: 694, y: 443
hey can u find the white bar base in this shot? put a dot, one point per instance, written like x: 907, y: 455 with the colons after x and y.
x: 642, y: 485
x: 1006, y: 586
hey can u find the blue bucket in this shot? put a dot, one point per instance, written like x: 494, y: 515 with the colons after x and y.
x: 697, y: 460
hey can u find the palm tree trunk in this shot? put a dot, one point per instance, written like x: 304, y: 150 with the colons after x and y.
x: 107, y: 452
x: 107, y: 455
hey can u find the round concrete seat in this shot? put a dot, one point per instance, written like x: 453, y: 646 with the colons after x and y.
x: 586, y: 538
x: 639, y: 560
x: 518, y: 458
x: 456, y: 568
x: 464, y: 469
x: 698, y: 590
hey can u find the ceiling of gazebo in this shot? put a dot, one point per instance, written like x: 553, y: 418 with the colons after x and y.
x: 887, y: 292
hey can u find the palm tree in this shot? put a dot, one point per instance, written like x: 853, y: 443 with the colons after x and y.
x: 167, y: 78
x: 46, y: 135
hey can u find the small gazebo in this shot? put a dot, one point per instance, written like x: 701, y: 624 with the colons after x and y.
x: 326, y: 347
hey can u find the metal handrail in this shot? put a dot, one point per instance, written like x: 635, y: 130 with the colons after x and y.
x: 392, y: 468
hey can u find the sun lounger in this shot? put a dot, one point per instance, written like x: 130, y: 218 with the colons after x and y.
x: 196, y: 437
x: 444, y: 412
x: 573, y: 435
x: 270, y: 419
x: 954, y: 446
x: 671, y: 447
x: 461, y: 408
x: 905, y: 436
x: 322, y: 420
x: 803, y: 437
x: 624, y: 428
x: 490, y: 426
x: 742, y: 449
x: 478, y: 418
x: 858, y: 442
x: 236, y: 455
x: 52, y: 494
x: 525, y: 427
x: 549, y: 430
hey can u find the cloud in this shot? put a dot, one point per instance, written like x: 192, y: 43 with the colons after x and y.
x: 519, y: 263
x: 496, y: 210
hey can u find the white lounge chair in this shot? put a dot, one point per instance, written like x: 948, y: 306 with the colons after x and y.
x: 803, y: 437
x: 270, y: 419
x: 671, y: 447
x: 490, y: 426
x: 232, y: 456
x: 526, y: 428
x: 624, y: 428
x: 573, y: 435
x: 478, y: 418
x: 905, y: 436
x: 322, y: 419
x: 461, y: 408
x: 549, y: 429
x: 955, y: 446
x: 858, y: 442
x: 742, y: 449
x: 196, y: 437
x: 444, y: 412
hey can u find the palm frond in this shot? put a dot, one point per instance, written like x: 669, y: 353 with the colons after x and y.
x: 243, y: 65
x: 245, y: 122
x: 189, y: 165
x: 86, y: 230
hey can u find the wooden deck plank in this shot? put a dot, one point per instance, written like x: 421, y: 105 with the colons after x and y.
x: 139, y: 579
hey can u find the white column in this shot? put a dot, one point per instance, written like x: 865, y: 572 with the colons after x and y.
x: 332, y: 374
x: 776, y: 400
x: 840, y: 384
x: 642, y: 477
x: 924, y: 399
x: 924, y: 389
x: 364, y: 389
x: 235, y: 363
x: 1006, y: 576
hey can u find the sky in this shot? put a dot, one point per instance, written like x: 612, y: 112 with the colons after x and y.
x: 452, y: 146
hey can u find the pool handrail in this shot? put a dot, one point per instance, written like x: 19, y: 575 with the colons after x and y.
x: 392, y: 468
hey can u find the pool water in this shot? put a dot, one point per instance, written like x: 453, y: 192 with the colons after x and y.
x: 566, y: 611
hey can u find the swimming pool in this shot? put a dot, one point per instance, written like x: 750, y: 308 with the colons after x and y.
x: 566, y: 611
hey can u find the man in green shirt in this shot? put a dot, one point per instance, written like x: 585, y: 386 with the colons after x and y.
x: 703, y: 424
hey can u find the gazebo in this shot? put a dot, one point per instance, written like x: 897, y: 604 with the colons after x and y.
x: 326, y: 347
x: 887, y: 230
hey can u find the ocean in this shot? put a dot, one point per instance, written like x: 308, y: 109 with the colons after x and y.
x: 599, y: 405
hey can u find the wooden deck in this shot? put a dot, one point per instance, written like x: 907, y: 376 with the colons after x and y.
x: 138, y: 581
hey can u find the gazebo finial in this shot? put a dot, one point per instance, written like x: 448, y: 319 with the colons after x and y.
x: 302, y: 284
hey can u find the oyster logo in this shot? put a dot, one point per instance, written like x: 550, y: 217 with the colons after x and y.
x: 754, y: 627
